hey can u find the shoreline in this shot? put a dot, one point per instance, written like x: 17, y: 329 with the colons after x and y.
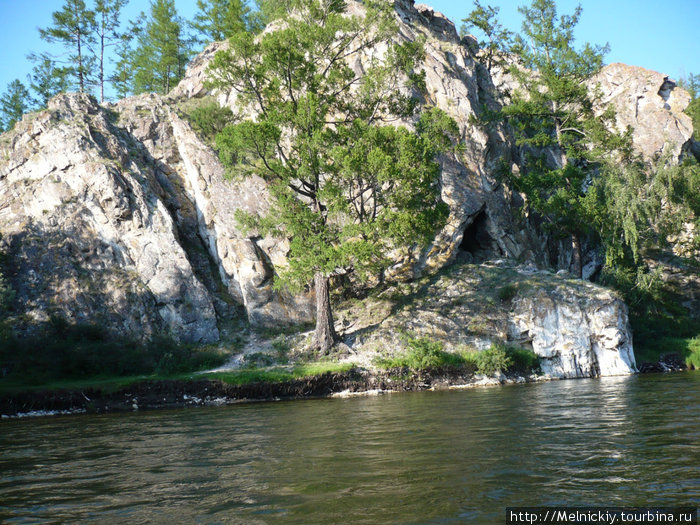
x: 179, y: 393
x: 162, y: 394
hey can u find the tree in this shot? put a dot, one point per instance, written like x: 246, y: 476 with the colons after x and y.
x: 692, y: 85
x: 107, y: 14
x: 161, y: 52
x: 47, y: 79
x: 552, y: 116
x: 122, y: 77
x: 221, y: 19
x: 13, y: 104
x: 346, y: 187
x: 73, y: 28
x: 498, y: 39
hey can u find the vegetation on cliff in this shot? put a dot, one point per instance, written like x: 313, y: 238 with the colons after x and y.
x: 316, y: 117
x: 347, y: 188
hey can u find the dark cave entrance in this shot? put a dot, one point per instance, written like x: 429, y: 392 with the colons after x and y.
x: 477, y: 243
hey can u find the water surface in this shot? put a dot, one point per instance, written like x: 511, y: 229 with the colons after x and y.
x: 428, y: 457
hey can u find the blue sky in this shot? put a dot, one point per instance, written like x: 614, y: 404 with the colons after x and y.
x: 659, y: 35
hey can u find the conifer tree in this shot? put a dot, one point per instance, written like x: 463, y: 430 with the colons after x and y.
x: 73, y: 28
x: 498, y: 39
x: 552, y: 114
x: 47, y: 79
x: 13, y: 104
x: 221, y: 19
x: 346, y: 187
x: 162, y: 51
x: 107, y: 35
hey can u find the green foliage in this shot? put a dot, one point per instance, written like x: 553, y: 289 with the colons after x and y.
x: 208, y: 119
x: 637, y: 205
x: 162, y: 51
x: 279, y: 375
x: 507, y: 293
x: 422, y: 353
x: 73, y: 28
x: 13, y: 104
x: 523, y: 360
x: 692, y: 85
x: 219, y: 20
x: 81, y: 351
x: 345, y: 187
x: 552, y: 114
x: 47, y: 79
x: 498, y: 40
x: 493, y: 359
x: 106, y: 32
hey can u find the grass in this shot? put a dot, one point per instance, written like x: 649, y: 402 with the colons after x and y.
x: 425, y: 354
x: 687, y: 348
x: 279, y: 374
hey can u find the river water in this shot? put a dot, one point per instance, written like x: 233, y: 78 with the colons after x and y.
x: 428, y: 457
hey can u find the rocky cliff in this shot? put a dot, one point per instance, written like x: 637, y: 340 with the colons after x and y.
x: 121, y: 215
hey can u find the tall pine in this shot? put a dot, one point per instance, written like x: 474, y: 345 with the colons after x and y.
x: 552, y: 116
x: 162, y: 50
x: 107, y: 35
x: 73, y: 28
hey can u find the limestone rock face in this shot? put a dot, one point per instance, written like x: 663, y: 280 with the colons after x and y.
x: 578, y: 329
x: 205, y: 204
x: 89, y: 236
x: 122, y: 214
x: 651, y: 104
x: 576, y: 335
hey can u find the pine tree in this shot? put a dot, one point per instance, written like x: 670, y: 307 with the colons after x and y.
x: 107, y: 14
x: 47, y: 79
x: 498, y: 39
x: 221, y: 19
x: 346, y: 188
x: 122, y: 77
x: 162, y: 52
x: 552, y: 114
x: 73, y: 27
x: 13, y: 104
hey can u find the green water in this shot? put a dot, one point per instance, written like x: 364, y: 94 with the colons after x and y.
x: 430, y: 457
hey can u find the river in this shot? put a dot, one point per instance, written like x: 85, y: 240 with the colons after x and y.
x: 426, y: 457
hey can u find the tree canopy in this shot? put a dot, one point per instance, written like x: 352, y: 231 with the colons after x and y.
x: 348, y: 184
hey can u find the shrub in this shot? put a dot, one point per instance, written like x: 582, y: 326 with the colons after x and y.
x: 66, y: 351
x: 523, y: 360
x: 207, y: 118
x: 492, y: 359
x: 507, y: 293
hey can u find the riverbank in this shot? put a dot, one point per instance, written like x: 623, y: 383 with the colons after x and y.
x: 180, y: 393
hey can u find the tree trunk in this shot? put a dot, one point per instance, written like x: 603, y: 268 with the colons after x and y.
x: 325, y: 331
x: 576, y: 266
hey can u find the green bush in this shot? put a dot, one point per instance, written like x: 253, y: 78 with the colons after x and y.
x: 208, y: 118
x: 492, y: 359
x: 507, y: 293
x: 65, y: 351
x: 523, y: 360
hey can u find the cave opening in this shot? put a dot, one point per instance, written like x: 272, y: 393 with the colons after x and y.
x: 477, y: 241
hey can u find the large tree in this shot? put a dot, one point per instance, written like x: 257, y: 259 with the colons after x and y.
x: 13, y: 104
x: 347, y: 188
x: 552, y: 115
x: 73, y: 27
x: 162, y: 51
